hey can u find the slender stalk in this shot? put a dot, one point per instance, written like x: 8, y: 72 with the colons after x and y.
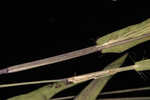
x: 52, y: 60
x: 75, y: 79
x: 127, y: 98
x: 63, y: 98
x: 67, y: 56
x: 123, y: 98
x: 125, y: 91
x: 30, y: 83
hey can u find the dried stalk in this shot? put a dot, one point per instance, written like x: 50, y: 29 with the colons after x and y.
x: 76, y: 79
x: 67, y: 56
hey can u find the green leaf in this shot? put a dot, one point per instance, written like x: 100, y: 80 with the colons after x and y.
x: 135, y: 32
x: 142, y: 65
x: 109, y: 92
x: 96, y: 86
x: 45, y: 92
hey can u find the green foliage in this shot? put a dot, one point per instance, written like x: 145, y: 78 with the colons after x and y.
x: 45, y: 92
x: 142, y: 65
x: 130, y: 32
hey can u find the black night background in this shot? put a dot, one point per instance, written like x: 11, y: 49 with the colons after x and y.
x: 34, y: 31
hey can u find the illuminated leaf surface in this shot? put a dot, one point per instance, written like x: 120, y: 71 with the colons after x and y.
x: 45, y: 92
x: 130, y: 32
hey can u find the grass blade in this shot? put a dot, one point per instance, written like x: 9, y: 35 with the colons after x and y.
x: 130, y: 32
x: 109, y: 92
x: 96, y: 86
x: 45, y: 92
x: 142, y: 65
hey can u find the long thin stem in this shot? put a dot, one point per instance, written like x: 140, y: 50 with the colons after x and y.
x: 30, y: 83
x: 67, y: 56
x: 127, y: 98
x: 75, y: 79
x: 63, y: 98
x: 52, y: 60
x: 126, y: 91
x: 123, y: 98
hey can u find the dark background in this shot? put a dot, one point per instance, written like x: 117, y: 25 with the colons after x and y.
x: 32, y: 31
